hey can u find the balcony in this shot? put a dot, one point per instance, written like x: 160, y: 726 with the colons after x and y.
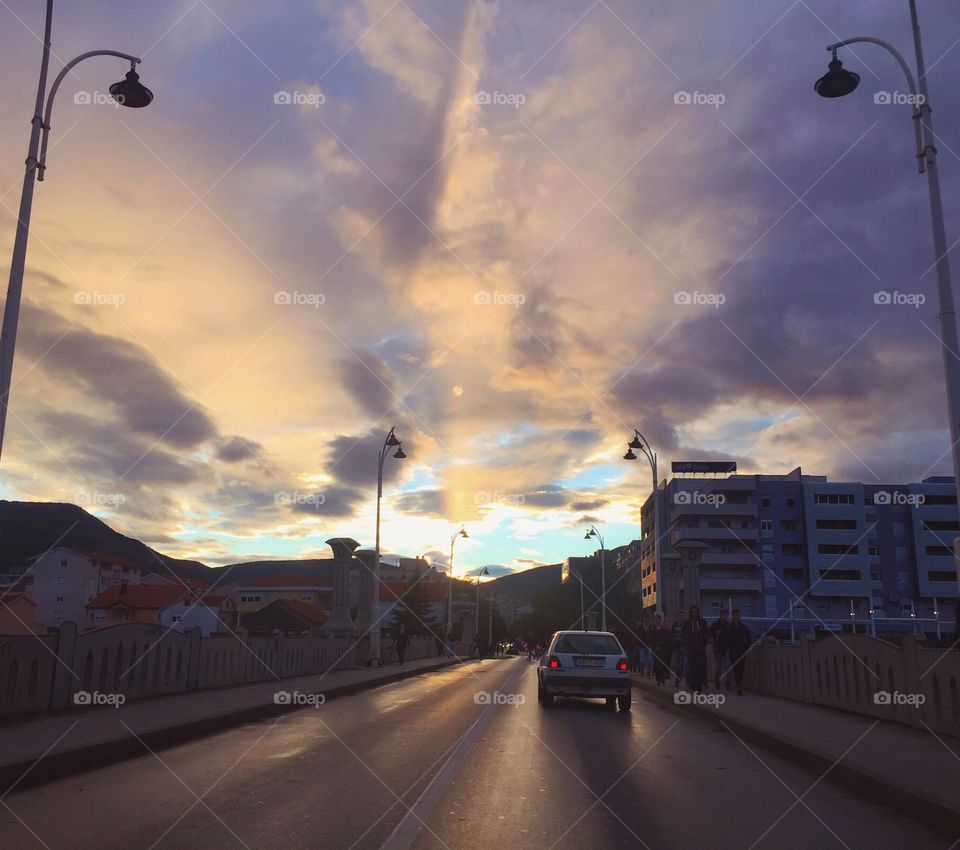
x: 707, y: 582
x: 737, y: 509
x: 744, y: 558
x: 709, y: 534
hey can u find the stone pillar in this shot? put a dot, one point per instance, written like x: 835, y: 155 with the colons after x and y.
x: 365, y: 563
x: 63, y: 681
x: 339, y: 622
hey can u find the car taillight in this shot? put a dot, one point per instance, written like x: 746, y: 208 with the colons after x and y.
x: 623, y: 664
x: 554, y: 663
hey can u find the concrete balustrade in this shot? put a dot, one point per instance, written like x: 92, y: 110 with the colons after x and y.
x: 44, y: 672
x: 916, y: 685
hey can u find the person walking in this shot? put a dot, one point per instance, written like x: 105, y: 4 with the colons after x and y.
x: 401, y: 642
x: 678, y: 657
x: 719, y: 636
x: 740, y: 640
x: 643, y: 649
x: 694, y: 635
x: 660, y: 645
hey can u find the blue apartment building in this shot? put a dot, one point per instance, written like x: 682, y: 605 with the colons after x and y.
x: 835, y: 552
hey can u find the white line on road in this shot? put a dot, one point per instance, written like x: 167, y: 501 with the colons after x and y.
x: 409, y: 829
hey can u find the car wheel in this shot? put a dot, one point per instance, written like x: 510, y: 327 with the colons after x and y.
x: 611, y: 702
x: 539, y: 690
x: 625, y: 701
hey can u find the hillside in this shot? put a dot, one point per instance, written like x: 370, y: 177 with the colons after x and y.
x: 28, y: 529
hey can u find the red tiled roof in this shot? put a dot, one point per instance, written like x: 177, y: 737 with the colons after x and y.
x: 10, y: 598
x: 138, y: 596
x: 103, y: 558
x: 391, y: 591
x: 305, y: 609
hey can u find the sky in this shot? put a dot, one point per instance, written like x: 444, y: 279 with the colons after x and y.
x: 515, y: 231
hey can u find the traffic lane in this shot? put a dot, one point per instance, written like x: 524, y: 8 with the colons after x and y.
x: 663, y: 780
x: 318, y: 777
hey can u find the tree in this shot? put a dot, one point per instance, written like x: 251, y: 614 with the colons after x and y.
x: 414, y: 611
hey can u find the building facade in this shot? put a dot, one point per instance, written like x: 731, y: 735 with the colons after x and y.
x: 830, y: 551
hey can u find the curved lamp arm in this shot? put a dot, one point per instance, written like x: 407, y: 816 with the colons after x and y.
x: 42, y: 163
x: 918, y: 104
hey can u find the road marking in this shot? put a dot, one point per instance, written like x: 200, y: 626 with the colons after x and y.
x: 409, y: 829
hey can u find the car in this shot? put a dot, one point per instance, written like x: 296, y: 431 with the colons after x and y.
x: 585, y: 664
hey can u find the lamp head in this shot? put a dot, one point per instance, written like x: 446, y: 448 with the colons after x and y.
x: 131, y: 92
x: 837, y: 82
x: 463, y: 532
x: 630, y: 455
x: 392, y: 439
x: 635, y: 443
x: 398, y: 454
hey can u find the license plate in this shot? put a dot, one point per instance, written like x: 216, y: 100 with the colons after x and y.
x: 588, y: 662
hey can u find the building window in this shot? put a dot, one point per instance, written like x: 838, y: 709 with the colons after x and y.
x: 838, y: 549
x: 830, y: 524
x: 873, y: 550
x: 791, y: 502
x: 940, y: 525
x: 790, y: 524
x: 766, y: 528
x: 63, y: 563
x: 767, y: 552
x: 942, y: 575
x: 939, y: 551
x: 176, y: 618
x: 834, y: 499
x: 792, y: 548
x: 765, y: 502
x: 59, y: 597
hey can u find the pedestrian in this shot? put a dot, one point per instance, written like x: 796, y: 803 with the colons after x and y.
x: 719, y: 637
x: 401, y: 642
x: 695, y: 635
x: 451, y: 643
x: 740, y: 640
x: 678, y: 657
x: 660, y: 644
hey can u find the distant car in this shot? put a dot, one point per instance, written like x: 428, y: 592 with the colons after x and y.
x: 585, y: 664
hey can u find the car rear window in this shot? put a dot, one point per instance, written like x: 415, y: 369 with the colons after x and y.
x: 588, y: 644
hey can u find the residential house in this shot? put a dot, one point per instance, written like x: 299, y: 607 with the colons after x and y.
x: 17, y: 615
x: 63, y: 581
x: 286, y: 617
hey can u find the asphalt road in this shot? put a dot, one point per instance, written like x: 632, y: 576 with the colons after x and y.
x: 421, y: 764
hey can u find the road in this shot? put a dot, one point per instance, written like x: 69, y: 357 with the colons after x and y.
x: 421, y: 764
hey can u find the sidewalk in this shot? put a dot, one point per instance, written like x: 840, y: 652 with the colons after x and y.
x: 893, y: 764
x: 39, y: 748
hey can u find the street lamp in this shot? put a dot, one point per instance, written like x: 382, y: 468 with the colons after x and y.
x: 390, y: 442
x: 640, y: 442
x: 483, y: 572
x: 461, y: 533
x: 838, y: 82
x: 603, y: 575
x: 128, y: 92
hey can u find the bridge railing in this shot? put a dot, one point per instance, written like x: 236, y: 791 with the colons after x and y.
x: 902, y: 681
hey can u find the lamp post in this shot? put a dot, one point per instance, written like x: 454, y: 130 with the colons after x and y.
x: 461, y: 533
x: 128, y: 92
x: 483, y: 572
x: 592, y: 532
x: 641, y: 443
x: 390, y: 442
x: 838, y: 82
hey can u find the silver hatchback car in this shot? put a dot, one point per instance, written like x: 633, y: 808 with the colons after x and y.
x: 585, y: 664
